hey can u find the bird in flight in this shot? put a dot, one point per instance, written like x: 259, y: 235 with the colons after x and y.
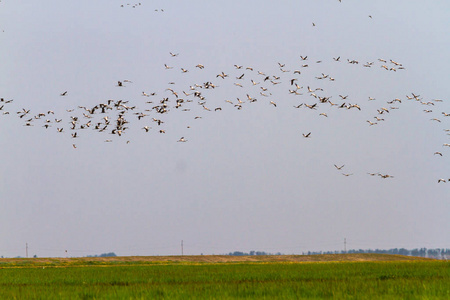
x: 307, y: 135
x: 222, y: 75
x: 385, y: 176
x: 339, y: 168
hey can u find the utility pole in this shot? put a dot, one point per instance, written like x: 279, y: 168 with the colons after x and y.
x: 181, y: 247
x: 26, y: 250
x: 345, y: 245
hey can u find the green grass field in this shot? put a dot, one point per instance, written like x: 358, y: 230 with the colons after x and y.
x: 195, y: 279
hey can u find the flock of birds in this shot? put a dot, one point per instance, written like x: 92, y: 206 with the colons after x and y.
x: 113, y: 116
x: 137, y: 5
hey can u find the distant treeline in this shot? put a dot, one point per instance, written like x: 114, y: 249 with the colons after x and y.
x: 422, y: 252
x: 110, y: 254
x: 239, y: 253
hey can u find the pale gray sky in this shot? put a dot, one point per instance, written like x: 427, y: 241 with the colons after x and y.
x: 246, y: 179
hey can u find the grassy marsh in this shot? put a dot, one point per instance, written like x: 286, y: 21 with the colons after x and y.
x: 196, y: 279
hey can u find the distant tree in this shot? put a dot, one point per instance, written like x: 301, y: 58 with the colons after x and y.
x: 435, y: 253
x: 415, y: 252
x: 403, y: 251
x: 423, y: 252
x: 110, y: 254
x: 237, y: 253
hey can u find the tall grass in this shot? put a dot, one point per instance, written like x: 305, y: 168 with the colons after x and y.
x: 362, y: 280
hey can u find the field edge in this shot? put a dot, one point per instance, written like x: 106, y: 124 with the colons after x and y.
x: 202, y: 259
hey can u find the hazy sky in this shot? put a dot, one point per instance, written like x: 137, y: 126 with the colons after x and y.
x: 246, y: 178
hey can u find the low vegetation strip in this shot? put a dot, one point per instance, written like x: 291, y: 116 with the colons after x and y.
x: 143, y: 260
x: 394, y: 279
